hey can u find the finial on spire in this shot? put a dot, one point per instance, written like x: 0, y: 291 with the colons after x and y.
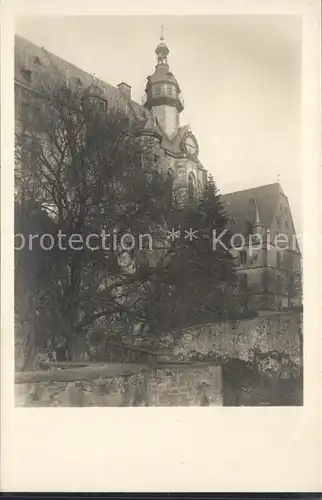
x: 162, y: 50
x: 162, y: 33
x: 278, y: 177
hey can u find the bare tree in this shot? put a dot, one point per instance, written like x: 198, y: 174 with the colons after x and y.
x: 91, y: 172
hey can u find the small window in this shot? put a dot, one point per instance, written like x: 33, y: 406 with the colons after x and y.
x: 286, y: 224
x: 99, y: 103
x: 79, y: 82
x: 26, y: 73
x: 243, y: 282
x: 37, y: 60
x: 232, y: 220
x: 102, y: 105
x: 243, y: 256
x: 256, y: 239
x: 169, y: 187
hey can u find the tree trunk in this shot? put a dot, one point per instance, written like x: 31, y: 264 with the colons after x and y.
x: 30, y: 355
x: 76, y: 347
x: 25, y: 325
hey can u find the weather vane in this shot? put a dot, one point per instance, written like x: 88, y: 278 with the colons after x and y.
x: 162, y: 32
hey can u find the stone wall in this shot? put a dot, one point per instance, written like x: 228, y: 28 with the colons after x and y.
x: 173, y: 379
x: 185, y: 385
x: 281, y: 332
x: 122, y: 385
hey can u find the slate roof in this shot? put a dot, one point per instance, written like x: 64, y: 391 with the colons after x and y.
x: 241, y: 207
x: 45, y: 67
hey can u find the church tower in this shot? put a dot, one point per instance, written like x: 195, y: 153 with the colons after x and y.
x: 164, y: 101
x: 163, y: 93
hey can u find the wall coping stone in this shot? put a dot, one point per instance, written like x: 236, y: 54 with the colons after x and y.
x: 89, y: 372
x: 141, y: 348
x: 263, y: 315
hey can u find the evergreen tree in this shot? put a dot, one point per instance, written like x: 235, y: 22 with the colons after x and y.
x: 196, y: 283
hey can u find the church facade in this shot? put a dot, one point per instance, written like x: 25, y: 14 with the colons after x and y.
x: 269, y: 277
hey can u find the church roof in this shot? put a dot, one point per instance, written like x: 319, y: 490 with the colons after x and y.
x: 241, y: 207
x: 45, y: 66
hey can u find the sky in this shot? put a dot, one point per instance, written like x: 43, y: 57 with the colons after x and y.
x: 240, y: 77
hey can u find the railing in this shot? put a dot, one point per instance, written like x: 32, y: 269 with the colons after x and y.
x: 122, y: 352
x: 179, y: 97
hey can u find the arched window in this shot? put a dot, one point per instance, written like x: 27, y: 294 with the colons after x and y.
x: 243, y: 256
x: 200, y: 188
x: 169, y: 186
x: 170, y: 174
x: 243, y: 282
x: 191, y: 189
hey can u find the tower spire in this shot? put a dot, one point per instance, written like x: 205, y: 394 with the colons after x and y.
x: 257, y: 225
x: 162, y: 89
x: 257, y: 219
